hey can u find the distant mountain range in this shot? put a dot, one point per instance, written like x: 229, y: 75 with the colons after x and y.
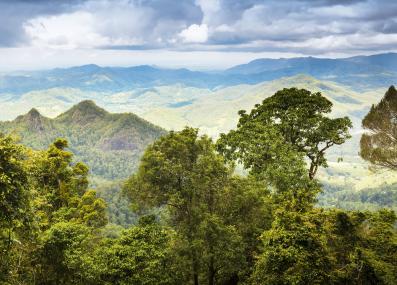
x: 111, y: 144
x: 360, y: 73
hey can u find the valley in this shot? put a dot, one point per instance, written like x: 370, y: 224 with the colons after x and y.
x: 171, y: 99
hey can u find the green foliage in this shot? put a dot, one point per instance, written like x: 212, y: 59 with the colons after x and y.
x: 142, y: 255
x: 362, y: 246
x: 210, y: 225
x: 53, y: 217
x: 182, y: 172
x: 293, y: 253
x: 111, y: 144
x: 380, y: 145
x: 91, y: 210
x: 13, y: 182
x: 300, y: 248
x: 15, y: 215
x: 294, y: 116
x: 60, y: 189
x: 384, y: 196
x: 59, y: 253
x: 293, y: 248
x: 118, y: 208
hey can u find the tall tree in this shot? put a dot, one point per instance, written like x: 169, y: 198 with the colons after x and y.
x: 14, y: 206
x: 295, y: 115
x: 60, y: 188
x: 182, y: 172
x: 68, y: 215
x: 13, y: 185
x: 273, y: 142
x: 294, y: 249
x: 379, y: 145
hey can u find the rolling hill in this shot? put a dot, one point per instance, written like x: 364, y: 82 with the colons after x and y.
x: 111, y: 144
x: 215, y: 111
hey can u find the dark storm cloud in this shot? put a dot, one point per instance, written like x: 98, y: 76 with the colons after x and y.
x: 306, y: 26
x: 298, y: 25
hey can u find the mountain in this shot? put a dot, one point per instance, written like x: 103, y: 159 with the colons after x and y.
x: 107, y: 79
x: 111, y: 144
x: 360, y: 73
x: 385, y: 60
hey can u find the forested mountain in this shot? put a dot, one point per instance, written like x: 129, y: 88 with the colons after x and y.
x: 111, y: 144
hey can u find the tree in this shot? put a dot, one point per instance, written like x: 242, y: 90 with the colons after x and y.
x: 60, y: 253
x: 60, y: 189
x: 13, y: 184
x: 92, y: 210
x: 362, y: 246
x: 294, y: 116
x: 379, y: 145
x: 272, y: 142
x: 14, y: 207
x: 143, y: 254
x: 294, y: 249
x: 294, y: 252
x: 182, y: 173
x: 68, y: 215
x: 247, y: 205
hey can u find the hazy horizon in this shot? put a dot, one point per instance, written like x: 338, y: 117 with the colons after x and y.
x: 170, y: 64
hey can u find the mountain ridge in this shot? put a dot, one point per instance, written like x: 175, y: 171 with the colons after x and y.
x: 359, y: 72
x: 97, y: 137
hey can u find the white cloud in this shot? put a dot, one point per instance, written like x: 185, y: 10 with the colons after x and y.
x: 91, y: 27
x: 195, y: 34
x: 64, y: 31
x: 297, y: 26
x: 209, y: 8
x: 105, y: 23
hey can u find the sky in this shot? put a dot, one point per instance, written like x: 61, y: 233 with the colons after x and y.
x: 197, y: 34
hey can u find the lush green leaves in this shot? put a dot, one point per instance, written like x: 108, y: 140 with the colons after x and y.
x: 211, y: 226
x: 295, y: 117
x: 379, y: 146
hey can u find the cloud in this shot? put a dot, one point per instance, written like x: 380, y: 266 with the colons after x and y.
x: 14, y: 13
x: 195, y: 34
x: 110, y: 23
x: 298, y: 26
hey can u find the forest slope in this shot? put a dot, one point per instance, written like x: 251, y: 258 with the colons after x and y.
x: 111, y: 144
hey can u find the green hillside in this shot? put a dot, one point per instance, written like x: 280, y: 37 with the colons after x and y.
x: 111, y: 144
x: 213, y: 111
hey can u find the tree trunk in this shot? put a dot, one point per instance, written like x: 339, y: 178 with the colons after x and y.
x: 233, y: 280
x: 211, y: 272
x: 195, y: 269
x: 196, y: 280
